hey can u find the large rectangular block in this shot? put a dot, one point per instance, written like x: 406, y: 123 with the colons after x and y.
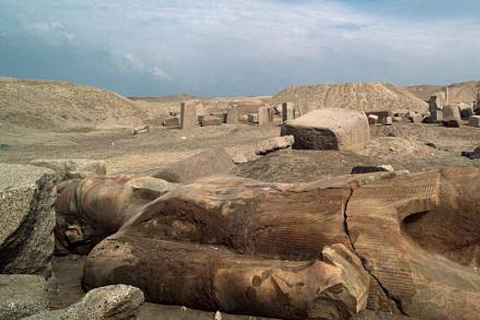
x: 172, y: 122
x: 232, y: 115
x: 188, y: 116
x: 288, y: 111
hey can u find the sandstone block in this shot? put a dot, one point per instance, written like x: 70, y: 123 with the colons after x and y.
x: 253, y: 118
x: 210, y: 162
x: 474, y: 121
x: 264, y: 116
x: 22, y: 295
x: 207, y: 121
x: 73, y: 168
x: 232, y: 115
x: 273, y: 144
x: 172, y: 122
x: 451, y: 112
x: 27, y: 195
x: 188, y: 116
x: 324, y: 129
x: 288, y: 111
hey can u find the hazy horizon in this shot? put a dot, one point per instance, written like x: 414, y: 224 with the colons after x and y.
x: 238, y: 47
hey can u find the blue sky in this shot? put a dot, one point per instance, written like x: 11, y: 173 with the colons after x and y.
x: 238, y: 47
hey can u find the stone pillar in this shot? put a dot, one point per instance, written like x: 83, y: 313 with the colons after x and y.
x: 433, y: 108
x: 188, y: 116
x: 264, y: 116
x: 446, y: 95
x: 287, y: 111
x: 232, y: 115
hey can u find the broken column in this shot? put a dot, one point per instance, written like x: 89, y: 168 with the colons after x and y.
x: 232, y: 115
x: 188, y: 115
x: 446, y: 95
x: 433, y: 108
x: 264, y: 116
x: 287, y: 111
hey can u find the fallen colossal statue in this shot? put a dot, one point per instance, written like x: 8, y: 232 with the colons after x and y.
x: 327, y: 249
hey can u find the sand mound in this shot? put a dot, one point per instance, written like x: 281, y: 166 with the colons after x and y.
x: 63, y: 106
x: 355, y: 96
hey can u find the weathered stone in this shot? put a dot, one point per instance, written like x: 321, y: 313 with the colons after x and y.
x: 474, y: 121
x: 451, y: 112
x: 116, y: 302
x: 22, y: 295
x: 253, y: 118
x: 264, y: 116
x: 172, y: 122
x: 210, y: 121
x: 381, y: 115
x: 475, y: 154
x: 232, y: 115
x: 323, y: 129
x: 416, y: 118
x: 466, y: 111
x: 27, y: 195
x: 387, y: 121
x: 73, y: 168
x: 435, y: 113
x: 369, y: 169
x: 397, y: 119
x: 140, y: 130
x: 274, y: 144
x: 222, y: 115
x: 188, y: 116
x: 372, y: 119
x: 288, y: 111
x: 210, y: 162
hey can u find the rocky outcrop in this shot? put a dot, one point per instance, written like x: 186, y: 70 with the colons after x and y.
x: 27, y: 218
x: 210, y: 162
x: 117, y: 302
x: 329, y: 129
x: 22, y: 296
x: 73, y: 168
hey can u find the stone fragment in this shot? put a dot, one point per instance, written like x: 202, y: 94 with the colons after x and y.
x: 22, y: 295
x: 172, y: 122
x: 274, y: 144
x: 253, y: 118
x: 188, y: 116
x: 264, y: 116
x: 207, y: 121
x: 116, y: 302
x: 210, y: 162
x: 73, y: 168
x: 27, y: 219
x: 397, y: 119
x: 369, y: 169
x: 232, y: 115
x: 329, y: 129
x: 288, y: 111
x: 475, y: 154
x: 140, y: 130
x: 416, y: 118
x: 372, y: 119
x: 387, y: 121
x: 466, y: 111
x: 380, y: 114
x: 451, y: 112
x: 474, y: 121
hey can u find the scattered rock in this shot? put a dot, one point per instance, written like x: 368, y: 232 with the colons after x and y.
x: 369, y: 169
x: 115, y: 302
x: 27, y: 195
x: 73, y: 168
x: 431, y: 145
x: 474, y: 121
x: 140, y: 130
x: 325, y: 129
x: 397, y: 119
x: 475, y: 154
x: 381, y: 115
x: 274, y: 144
x: 415, y: 118
x: 372, y: 119
x: 22, y: 295
x: 210, y: 162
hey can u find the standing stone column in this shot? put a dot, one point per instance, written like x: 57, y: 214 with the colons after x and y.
x: 433, y: 108
x: 188, y: 115
x: 287, y: 111
x: 232, y: 115
x: 264, y: 116
x: 477, y: 104
x: 447, y: 93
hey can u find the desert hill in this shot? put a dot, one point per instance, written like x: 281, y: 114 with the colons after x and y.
x: 465, y: 92
x: 356, y: 96
x: 63, y: 106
